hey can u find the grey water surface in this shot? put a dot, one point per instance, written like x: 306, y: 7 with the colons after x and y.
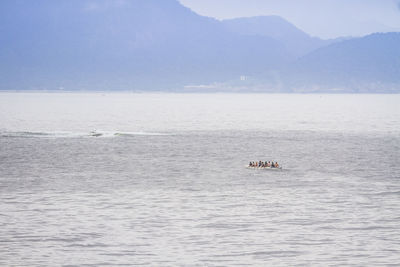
x: 121, y: 179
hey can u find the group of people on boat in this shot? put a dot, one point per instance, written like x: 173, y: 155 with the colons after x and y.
x: 262, y: 164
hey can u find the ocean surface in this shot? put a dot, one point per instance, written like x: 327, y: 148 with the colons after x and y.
x: 126, y: 179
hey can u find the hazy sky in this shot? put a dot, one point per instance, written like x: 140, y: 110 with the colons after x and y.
x: 322, y: 18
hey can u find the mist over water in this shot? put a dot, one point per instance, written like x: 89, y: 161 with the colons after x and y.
x: 160, y: 179
x: 177, y: 113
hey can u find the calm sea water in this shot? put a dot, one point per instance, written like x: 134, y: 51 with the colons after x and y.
x: 100, y: 179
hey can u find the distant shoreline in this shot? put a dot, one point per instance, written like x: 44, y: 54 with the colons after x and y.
x: 195, y: 92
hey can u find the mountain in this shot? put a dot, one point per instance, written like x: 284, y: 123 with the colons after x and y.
x: 162, y: 45
x: 295, y: 40
x: 123, y: 45
x: 367, y: 64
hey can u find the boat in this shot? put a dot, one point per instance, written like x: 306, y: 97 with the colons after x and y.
x: 95, y: 133
x: 265, y: 168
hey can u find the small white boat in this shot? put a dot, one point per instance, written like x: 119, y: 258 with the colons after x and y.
x: 95, y: 134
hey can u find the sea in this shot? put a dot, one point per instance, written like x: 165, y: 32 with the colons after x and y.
x: 160, y: 179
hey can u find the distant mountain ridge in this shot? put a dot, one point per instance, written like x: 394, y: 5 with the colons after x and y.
x: 295, y: 40
x: 366, y: 64
x: 161, y: 45
x: 132, y: 45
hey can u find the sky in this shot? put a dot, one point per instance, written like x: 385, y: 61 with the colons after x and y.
x: 321, y: 18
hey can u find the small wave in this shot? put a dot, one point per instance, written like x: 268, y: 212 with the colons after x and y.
x: 32, y: 134
x: 66, y: 134
x: 21, y: 134
x: 123, y: 134
x: 388, y: 193
x: 139, y: 133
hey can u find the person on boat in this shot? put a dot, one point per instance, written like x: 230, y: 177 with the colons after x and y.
x: 269, y: 164
x: 250, y: 164
x: 272, y: 165
x: 260, y: 163
x: 276, y: 165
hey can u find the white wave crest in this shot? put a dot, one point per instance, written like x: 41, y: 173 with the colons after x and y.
x: 66, y: 134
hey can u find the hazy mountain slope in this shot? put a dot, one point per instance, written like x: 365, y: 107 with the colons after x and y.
x: 136, y: 44
x: 160, y: 45
x: 371, y: 63
x: 297, y: 42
